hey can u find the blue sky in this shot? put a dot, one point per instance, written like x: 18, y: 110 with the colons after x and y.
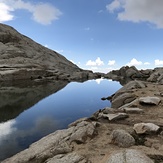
x: 100, y: 35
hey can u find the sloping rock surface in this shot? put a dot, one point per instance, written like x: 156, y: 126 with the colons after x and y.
x: 23, y: 58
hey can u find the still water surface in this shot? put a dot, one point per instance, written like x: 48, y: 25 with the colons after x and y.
x: 27, y: 113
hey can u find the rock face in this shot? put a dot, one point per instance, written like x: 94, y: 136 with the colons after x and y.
x: 22, y: 58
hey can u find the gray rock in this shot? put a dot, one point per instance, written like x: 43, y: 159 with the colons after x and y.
x: 82, y: 131
x: 133, y: 110
x: 108, y: 110
x: 68, y: 158
x: 126, y: 94
x: 129, y: 156
x: 122, y: 99
x: 142, y: 128
x: 149, y: 100
x: 133, y: 103
x: 77, y: 121
x: 114, y: 117
x: 122, y: 138
x: 156, y: 76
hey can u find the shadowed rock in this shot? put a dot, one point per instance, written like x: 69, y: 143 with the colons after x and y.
x: 22, y: 95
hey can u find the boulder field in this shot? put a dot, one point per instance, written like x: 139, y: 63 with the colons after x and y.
x: 130, y: 131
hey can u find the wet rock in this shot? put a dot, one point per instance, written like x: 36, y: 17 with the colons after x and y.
x: 68, y: 158
x: 142, y: 128
x: 129, y: 156
x: 149, y: 100
x: 122, y: 138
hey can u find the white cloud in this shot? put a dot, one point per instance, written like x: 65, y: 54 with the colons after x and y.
x: 113, y: 6
x: 134, y: 62
x: 42, y: 13
x: 111, y: 63
x: 146, y: 63
x: 97, y: 62
x: 45, y: 13
x: 5, y: 14
x: 7, y: 128
x: 158, y: 62
x: 98, y: 81
x: 138, y: 11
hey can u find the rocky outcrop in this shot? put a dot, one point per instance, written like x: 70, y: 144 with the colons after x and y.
x: 22, y: 58
x: 125, y: 94
x: 126, y: 73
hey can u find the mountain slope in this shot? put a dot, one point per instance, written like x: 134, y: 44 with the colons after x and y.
x: 22, y: 58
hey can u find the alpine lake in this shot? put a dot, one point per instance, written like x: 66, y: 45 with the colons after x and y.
x: 32, y: 110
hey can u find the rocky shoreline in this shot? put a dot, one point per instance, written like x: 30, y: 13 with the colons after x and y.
x: 131, y: 130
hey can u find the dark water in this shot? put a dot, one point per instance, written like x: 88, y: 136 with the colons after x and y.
x: 29, y: 112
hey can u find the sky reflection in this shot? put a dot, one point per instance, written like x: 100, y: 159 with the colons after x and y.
x: 54, y: 112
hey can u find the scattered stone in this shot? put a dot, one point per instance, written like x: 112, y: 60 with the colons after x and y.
x: 114, y: 117
x: 149, y: 100
x: 129, y: 156
x: 142, y: 128
x: 133, y: 110
x: 122, y: 138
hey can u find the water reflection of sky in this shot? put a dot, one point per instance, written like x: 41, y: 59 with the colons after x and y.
x: 54, y: 112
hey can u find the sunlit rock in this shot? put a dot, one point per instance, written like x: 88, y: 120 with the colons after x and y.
x: 142, y: 128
